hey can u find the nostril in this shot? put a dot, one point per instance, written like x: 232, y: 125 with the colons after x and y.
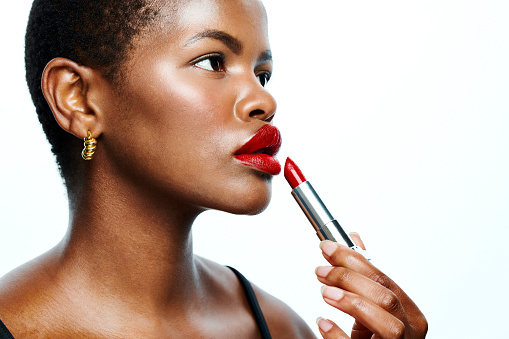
x: 261, y: 115
x: 256, y: 113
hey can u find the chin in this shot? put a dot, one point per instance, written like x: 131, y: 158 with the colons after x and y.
x: 251, y: 206
x: 253, y: 210
x: 248, y: 202
x: 248, y: 210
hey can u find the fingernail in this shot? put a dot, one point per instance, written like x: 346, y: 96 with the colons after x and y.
x: 355, y: 233
x: 323, y: 271
x: 332, y: 293
x: 324, y: 324
x: 328, y: 247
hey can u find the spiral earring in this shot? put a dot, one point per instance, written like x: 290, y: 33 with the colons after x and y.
x: 90, y: 146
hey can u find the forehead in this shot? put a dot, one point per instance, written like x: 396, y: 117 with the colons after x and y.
x: 237, y: 17
x: 198, y: 10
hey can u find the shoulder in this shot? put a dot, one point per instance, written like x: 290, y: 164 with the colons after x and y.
x: 283, y: 322
x: 23, y: 292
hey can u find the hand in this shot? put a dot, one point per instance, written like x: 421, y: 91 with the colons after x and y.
x: 381, y: 309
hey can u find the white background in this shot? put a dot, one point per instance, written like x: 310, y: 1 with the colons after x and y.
x: 397, y: 112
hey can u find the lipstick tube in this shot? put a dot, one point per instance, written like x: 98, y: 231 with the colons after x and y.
x: 326, y: 227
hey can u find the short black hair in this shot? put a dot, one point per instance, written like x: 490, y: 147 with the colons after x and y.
x: 93, y: 33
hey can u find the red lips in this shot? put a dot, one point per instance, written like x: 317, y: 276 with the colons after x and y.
x: 260, y: 150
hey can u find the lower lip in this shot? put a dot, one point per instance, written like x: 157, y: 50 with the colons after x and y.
x: 262, y: 162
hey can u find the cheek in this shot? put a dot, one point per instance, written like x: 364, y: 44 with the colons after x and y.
x: 183, y: 97
x: 180, y: 140
x: 170, y: 128
x: 166, y: 103
x: 193, y: 114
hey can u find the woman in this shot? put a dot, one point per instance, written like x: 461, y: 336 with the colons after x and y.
x: 169, y: 96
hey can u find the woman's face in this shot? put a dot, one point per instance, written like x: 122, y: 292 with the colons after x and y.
x: 191, y: 97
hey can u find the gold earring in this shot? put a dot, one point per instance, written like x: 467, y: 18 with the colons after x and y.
x: 90, y: 146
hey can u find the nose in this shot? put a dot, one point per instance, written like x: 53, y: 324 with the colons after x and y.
x: 255, y: 102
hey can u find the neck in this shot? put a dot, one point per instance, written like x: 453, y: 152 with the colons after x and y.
x: 135, y: 246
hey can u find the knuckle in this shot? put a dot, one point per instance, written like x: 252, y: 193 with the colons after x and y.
x: 389, y: 302
x: 397, y: 330
x: 382, y: 279
x: 359, y: 304
x: 341, y: 274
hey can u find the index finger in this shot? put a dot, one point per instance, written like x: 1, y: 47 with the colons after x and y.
x: 342, y: 256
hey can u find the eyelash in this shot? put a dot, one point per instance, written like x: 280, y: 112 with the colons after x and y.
x: 216, y: 63
x: 212, y: 57
x: 264, y: 78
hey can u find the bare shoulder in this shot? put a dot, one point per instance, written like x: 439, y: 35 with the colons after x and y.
x: 13, y: 306
x: 22, y: 292
x: 283, y: 322
x: 17, y: 284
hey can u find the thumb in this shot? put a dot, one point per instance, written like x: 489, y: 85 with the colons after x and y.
x: 356, y: 238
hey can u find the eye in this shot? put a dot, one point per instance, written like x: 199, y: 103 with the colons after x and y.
x: 264, y: 78
x: 211, y: 62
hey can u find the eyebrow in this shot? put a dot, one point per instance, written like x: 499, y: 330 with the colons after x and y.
x: 266, y: 56
x: 232, y: 43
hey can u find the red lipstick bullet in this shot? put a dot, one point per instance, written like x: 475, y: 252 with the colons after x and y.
x: 293, y: 174
x: 314, y: 209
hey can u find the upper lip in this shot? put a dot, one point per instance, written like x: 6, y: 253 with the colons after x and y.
x: 267, y: 140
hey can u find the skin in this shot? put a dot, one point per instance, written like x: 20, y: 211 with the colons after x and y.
x: 166, y: 139
x: 381, y: 309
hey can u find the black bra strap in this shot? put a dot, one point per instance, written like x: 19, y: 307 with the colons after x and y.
x: 253, y: 304
x: 251, y: 299
x: 4, y: 332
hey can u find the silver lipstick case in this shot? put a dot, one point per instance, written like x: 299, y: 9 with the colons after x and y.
x: 326, y: 227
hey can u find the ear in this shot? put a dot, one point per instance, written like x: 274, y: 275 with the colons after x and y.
x: 66, y: 86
